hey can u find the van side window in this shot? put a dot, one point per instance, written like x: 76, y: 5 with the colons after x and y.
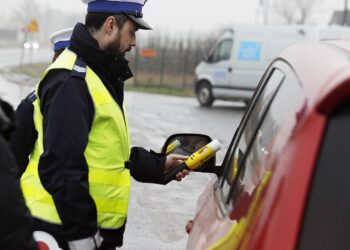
x: 255, y: 167
x: 250, y: 126
x: 222, y: 51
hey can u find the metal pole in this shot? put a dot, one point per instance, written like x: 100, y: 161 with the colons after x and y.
x: 22, y: 50
x: 30, y: 55
x: 184, y: 71
x: 266, y: 11
x: 136, y: 62
x: 162, y: 66
x: 345, y: 16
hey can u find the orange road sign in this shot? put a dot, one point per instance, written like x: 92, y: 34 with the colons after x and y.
x: 150, y: 53
x: 33, y: 26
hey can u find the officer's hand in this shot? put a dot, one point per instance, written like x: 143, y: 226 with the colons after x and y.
x: 174, y: 160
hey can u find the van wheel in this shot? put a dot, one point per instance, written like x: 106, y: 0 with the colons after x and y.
x: 204, y: 94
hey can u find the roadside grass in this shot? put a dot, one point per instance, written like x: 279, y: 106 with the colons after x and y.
x: 169, y: 84
x: 147, y: 83
x: 163, y: 90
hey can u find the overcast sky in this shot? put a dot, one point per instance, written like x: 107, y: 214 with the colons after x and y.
x: 190, y: 15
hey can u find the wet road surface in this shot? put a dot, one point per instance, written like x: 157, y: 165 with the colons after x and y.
x: 158, y: 214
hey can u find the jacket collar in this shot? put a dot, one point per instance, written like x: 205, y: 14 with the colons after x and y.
x: 110, y: 66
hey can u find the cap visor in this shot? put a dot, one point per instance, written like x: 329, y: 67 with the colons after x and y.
x: 140, y: 23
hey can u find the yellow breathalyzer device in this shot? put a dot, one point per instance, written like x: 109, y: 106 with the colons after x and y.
x: 172, y: 146
x: 195, y: 160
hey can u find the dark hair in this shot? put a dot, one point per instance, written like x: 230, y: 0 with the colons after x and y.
x: 94, y: 20
x: 57, y: 54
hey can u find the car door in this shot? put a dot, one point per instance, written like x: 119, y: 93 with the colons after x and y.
x: 241, y: 181
x: 249, y: 166
x: 213, y: 226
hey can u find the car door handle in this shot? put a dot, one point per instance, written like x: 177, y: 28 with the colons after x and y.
x: 229, y: 69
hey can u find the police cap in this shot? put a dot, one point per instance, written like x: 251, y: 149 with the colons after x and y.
x: 130, y: 8
x: 61, y: 39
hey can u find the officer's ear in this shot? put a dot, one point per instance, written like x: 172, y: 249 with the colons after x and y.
x: 110, y: 24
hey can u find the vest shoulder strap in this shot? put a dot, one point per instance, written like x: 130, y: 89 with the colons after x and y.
x: 79, y: 68
x: 31, y: 97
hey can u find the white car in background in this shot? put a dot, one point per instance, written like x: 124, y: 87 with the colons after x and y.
x: 33, y: 44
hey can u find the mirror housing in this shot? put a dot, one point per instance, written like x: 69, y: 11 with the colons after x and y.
x: 187, y: 144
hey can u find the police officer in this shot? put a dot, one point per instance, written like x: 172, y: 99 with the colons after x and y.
x: 22, y: 140
x: 77, y: 182
x: 16, y: 230
x: 60, y: 40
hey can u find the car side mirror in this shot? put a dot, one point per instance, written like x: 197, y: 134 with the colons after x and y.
x: 187, y: 144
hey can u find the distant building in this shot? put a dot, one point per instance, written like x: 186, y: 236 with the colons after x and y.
x: 339, y: 18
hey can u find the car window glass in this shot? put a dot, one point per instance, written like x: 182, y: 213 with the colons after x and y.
x: 251, y: 124
x: 256, y: 168
x: 223, y: 51
x: 326, y: 223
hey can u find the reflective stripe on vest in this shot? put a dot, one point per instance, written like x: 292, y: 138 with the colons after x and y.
x: 107, y: 151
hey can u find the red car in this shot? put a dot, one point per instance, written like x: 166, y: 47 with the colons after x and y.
x: 285, y: 180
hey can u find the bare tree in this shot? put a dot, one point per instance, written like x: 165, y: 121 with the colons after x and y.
x: 295, y: 11
x: 25, y: 11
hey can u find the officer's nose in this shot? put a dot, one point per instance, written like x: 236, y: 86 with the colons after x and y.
x: 133, y: 42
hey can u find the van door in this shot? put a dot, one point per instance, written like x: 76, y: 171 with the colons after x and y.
x: 249, y: 65
x: 219, y: 67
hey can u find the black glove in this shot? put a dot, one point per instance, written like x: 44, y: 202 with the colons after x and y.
x: 7, y: 118
x: 112, y: 238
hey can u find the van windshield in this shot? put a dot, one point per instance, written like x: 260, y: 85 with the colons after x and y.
x: 222, y: 51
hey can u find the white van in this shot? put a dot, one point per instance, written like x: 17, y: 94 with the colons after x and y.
x: 235, y: 64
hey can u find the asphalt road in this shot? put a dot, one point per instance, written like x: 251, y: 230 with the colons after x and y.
x: 12, y: 56
x: 153, y: 118
x: 13, y: 93
x: 157, y: 214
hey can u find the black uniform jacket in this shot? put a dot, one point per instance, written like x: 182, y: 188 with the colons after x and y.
x: 68, y: 112
x: 16, y: 231
x: 22, y: 140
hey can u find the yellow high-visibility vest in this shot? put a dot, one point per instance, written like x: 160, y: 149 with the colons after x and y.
x: 107, y: 151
